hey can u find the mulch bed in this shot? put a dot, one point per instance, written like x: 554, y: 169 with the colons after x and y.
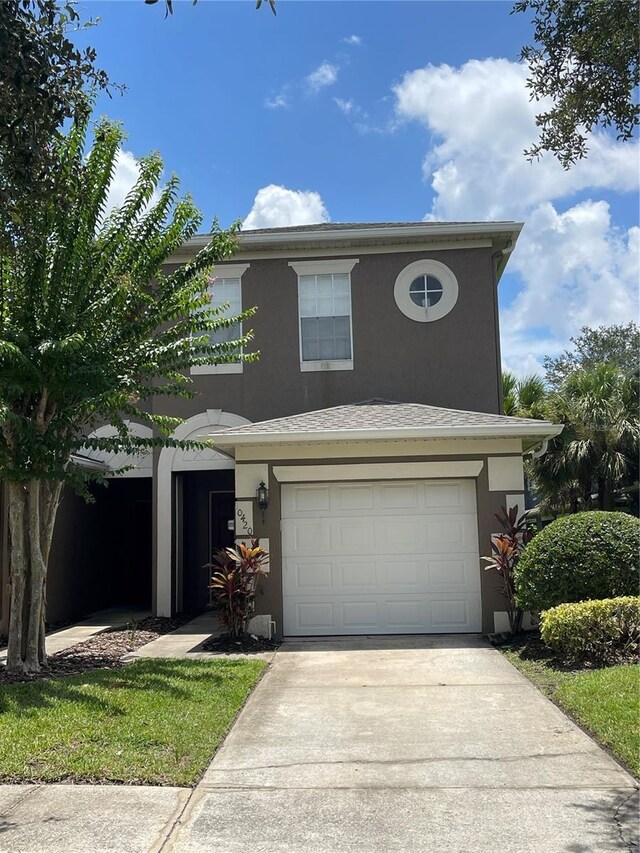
x: 104, y: 651
x: 529, y: 646
x: 246, y: 644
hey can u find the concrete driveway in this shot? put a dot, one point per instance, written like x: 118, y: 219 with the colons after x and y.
x: 405, y: 744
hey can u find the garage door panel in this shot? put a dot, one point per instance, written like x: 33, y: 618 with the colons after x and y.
x: 357, y: 576
x: 358, y: 498
x: 307, y: 536
x: 383, y: 558
x: 449, y: 497
x: 403, y: 496
x: 305, y: 499
x: 352, y: 536
x: 310, y: 576
x: 405, y: 615
x: 400, y: 536
x: 451, y: 534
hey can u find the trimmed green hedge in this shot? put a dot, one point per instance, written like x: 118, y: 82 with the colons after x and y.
x: 602, y: 631
x: 590, y: 555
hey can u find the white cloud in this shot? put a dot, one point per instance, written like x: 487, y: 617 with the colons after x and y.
x: 275, y: 206
x: 354, y: 40
x: 325, y: 75
x: 345, y: 106
x: 126, y: 174
x: 578, y: 270
x: 279, y: 100
x: 576, y: 267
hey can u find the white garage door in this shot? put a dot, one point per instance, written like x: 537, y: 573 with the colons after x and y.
x: 393, y: 557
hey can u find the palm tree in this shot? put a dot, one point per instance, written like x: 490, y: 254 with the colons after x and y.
x: 598, y: 449
x: 523, y: 398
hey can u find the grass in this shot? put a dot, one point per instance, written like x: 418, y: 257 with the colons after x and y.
x: 154, y: 722
x: 605, y: 701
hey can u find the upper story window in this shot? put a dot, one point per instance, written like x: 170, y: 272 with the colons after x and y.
x: 324, y: 312
x: 426, y: 291
x: 225, y: 289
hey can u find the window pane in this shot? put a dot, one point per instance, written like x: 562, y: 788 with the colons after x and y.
x: 226, y: 291
x: 309, y: 331
x: 341, y: 284
x: 417, y: 291
x: 325, y: 317
x: 308, y: 296
x: 434, y: 290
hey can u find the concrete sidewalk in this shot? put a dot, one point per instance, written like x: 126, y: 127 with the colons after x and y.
x: 100, y: 621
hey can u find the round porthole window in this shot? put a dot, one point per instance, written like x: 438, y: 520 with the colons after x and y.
x: 426, y: 291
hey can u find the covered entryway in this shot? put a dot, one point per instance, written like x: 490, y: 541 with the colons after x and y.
x: 394, y: 557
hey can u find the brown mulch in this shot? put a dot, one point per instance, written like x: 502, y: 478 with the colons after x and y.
x: 104, y: 651
x: 245, y: 644
x: 529, y: 645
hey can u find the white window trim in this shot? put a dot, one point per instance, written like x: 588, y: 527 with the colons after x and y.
x: 406, y: 304
x: 336, y: 266
x: 225, y: 271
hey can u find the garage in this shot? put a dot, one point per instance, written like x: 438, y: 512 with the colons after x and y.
x: 389, y: 557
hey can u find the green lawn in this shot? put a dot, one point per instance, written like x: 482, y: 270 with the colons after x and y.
x: 151, y: 722
x: 604, y: 701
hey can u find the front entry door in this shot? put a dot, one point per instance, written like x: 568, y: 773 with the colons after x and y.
x: 222, y: 507
x: 208, y: 506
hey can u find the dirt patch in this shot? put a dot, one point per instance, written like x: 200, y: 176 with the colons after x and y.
x: 246, y: 644
x: 104, y: 651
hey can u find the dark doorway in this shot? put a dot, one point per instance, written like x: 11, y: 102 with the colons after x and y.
x: 208, y: 511
x: 101, y: 555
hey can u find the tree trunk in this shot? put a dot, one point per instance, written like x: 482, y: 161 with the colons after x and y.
x: 32, y: 512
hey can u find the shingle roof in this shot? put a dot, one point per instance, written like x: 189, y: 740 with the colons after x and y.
x: 380, y: 414
x: 345, y: 226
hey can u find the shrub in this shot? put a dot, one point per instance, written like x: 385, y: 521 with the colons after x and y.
x: 584, y: 556
x: 601, y: 631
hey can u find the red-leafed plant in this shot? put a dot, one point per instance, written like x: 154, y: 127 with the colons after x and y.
x: 506, y: 549
x: 235, y: 573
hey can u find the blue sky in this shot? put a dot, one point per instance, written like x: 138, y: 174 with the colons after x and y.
x: 376, y: 111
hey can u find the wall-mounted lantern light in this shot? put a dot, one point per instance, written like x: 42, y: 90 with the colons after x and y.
x: 262, y: 495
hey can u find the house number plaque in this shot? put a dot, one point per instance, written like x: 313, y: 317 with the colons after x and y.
x: 244, y: 518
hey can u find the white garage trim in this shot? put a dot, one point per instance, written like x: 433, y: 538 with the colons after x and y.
x: 376, y: 471
x: 390, y: 557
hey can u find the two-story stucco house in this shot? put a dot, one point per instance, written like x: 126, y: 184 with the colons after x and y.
x: 373, y: 419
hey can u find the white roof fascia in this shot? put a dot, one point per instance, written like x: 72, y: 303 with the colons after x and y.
x: 246, y: 239
x: 540, y: 431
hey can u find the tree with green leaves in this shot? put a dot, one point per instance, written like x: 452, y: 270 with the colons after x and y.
x: 525, y: 397
x: 585, y: 59
x: 618, y: 345
x: 92, y: 331
x: 45, y: 80
x: 597, y: 451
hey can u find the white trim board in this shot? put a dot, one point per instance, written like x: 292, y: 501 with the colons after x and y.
x: 377, y: 471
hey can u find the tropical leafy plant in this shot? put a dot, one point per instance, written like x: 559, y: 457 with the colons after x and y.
x: 597, y: 451
x: 523, y: 398
x: 93, y: 331
x: 506, y: 549
x: 233, y: 583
